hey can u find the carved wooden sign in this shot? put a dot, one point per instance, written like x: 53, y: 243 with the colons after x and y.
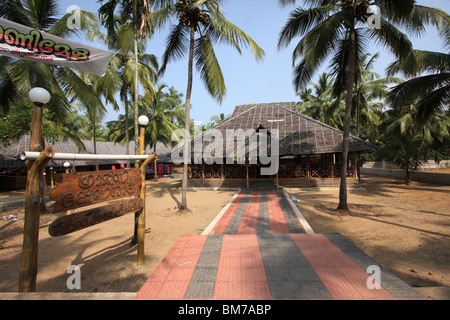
x: 80, y: 220
x: 88, y: 188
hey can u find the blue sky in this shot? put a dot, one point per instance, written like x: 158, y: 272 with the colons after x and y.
x: 247, y: 80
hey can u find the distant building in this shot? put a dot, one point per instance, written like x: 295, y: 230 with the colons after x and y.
x: 309, y: 151
x: 13, y: 171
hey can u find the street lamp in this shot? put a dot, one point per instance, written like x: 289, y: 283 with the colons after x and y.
x: 66, y: 165
x: 143, y: 121
x: 39, y: 96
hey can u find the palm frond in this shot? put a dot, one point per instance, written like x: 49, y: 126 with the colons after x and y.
x: 209, y: 68
x: 302, y: 20
x: 392, y: 38
x: 176, y: 46
x: 223, y: 31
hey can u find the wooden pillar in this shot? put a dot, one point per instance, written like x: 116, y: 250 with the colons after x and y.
x: 332, y: 165
x: 308, y: 164
x: 246, y: 174
x: 28, y: 269
x: 140, y: 215
x: 276, y: 179
x: 203, y: 169
x: 222, y: 172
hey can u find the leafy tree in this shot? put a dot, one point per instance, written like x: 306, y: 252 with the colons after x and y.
x: 408, y: 140
x: 370, y: 92
x: 322, y: 105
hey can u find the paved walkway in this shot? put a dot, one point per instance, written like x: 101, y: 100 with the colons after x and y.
x: 260, y: 247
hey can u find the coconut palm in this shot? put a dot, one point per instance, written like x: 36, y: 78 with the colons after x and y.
x: 216, y: 119
x: 200, y: 24
x: 138, y: 12
x: 104, y: 88
x: 409, y: 140
x: 17, y: 77
x: 338, y: 29
x: 370, y: 91
x: 322, y: 105
x: 122, y: 42
x: 165, y: 112
x: 429, y: 74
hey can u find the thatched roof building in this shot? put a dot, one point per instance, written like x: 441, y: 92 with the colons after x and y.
x: 307, y: 147
x: 9, y: 155
x: 298, y: 134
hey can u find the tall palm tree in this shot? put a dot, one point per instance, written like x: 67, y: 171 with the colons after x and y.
x: 138, y: 12
x: 206, y: 19
x: 122, y: 42
x: 338, y: 29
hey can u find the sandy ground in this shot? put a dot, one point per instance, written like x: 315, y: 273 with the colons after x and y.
x: 404, y: 228
x: 107, y: 261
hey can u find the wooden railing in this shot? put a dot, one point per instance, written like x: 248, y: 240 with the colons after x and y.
x: 285, y: 171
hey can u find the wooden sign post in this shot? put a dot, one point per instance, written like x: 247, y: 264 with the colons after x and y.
x: 76, y: 191
x: 89, y: 188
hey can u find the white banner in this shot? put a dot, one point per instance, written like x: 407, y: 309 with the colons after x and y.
x: 19, y: 41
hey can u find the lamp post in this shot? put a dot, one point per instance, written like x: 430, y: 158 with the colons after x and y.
x: 28, y: 270
x: 66, y: 165
x: 143, y: 121
x: 39, y: 96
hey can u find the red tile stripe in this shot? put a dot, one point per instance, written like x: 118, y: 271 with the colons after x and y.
x: 241, y: 274
x: 249, y: 221
x: 277, y: 220
x: 171, y: 278
x: 221, y: 226
x: 342, y: 277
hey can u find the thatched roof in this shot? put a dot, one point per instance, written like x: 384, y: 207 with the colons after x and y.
x: 298, y: 134
x: 9, y: 155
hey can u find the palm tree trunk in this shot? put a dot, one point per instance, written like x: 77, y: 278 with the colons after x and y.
x: 127, y: 125
x: 136, y: 82
x: 187, y: 122
x: 348, y: 117
x: 358, y: 114
x: 155, y: 162
x: 94, y: 139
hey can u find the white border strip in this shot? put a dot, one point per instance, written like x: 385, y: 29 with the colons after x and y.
x: 219, y: 216
x: 300, y: 217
